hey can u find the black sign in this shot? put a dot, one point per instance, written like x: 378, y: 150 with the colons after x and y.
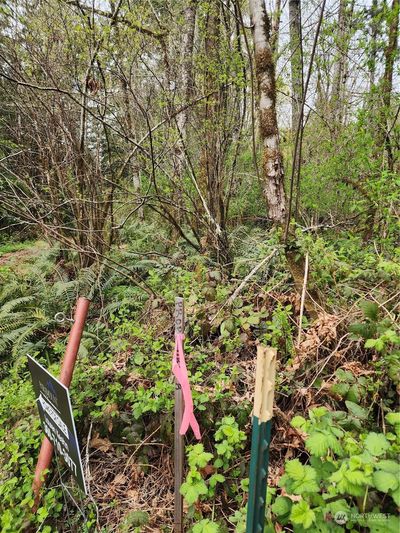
x: 55, y: 412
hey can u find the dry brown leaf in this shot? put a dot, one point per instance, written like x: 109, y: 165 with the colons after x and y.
x: 133, y: 494
x: 119, y: 479
x: 100, y: 444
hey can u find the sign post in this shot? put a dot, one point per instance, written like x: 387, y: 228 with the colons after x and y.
x: 67, y: 368
x: 179, y: 445
x: 57, y: 420
x: 261, y: 437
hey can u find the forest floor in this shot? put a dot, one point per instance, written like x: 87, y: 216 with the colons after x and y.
x: 336, y: 389
x: 15, y: 255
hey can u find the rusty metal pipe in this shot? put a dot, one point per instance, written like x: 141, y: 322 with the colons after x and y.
x: 67, y: 369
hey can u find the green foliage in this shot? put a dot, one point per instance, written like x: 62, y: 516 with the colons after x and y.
x: 229, y: 440
x: 345, y: 475
x: 203, y: 480
x: 206, y: 526
x: 20, y: 438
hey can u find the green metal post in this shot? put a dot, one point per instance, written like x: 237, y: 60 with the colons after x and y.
x: 260, y: 440
x: 259, y: 458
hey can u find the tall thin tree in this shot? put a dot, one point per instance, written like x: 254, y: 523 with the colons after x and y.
x: 272, y: 166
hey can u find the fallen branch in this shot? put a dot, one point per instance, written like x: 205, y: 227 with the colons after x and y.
x: 239, y: 289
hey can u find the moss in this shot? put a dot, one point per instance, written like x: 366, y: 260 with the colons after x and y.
x: 271, y: 154
x: 264, y: 61
x: 265, y: 70
x: 268, y: 125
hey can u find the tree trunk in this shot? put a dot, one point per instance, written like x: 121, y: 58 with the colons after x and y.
x: 387, y: 79
x: 373, y: 45
x: 272, y: 167
x: 186, y: 85
x: 186, y: 74
x: 211, y: 160
x: 338, y: 104
x: 276, y: 22
x: 296, y: 62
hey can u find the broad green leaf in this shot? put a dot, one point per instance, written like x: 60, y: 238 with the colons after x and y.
x: 394, y: 420
x: 192, y: 491
x: 370, y: 343
x: 216, y: 478
x: 317, y: 444
x: 302, y: 514
x: 198, y: 457
x: 356, y: 410
x: 389, y: 466
x: 206, y: 526
x: 377, y: 444
x: 281, y: 506
x: 395, y: 494
x: 294, y: 469
x: 384, y: 481
x: 356, y: 477
x: 298, y: 422
x: 340, y: 388
x: 308, y: 483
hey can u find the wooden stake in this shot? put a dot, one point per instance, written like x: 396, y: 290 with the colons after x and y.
x: 303, y: 299
x: 179, y: 445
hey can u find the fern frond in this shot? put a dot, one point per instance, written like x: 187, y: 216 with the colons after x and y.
x: 14, y: 304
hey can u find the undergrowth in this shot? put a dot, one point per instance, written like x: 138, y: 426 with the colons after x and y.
x: 333, y: 469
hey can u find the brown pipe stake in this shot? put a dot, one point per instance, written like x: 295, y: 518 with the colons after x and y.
x: 67, y: 369
x: 179, y: 445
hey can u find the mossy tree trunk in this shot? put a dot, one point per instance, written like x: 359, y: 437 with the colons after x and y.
x: 272, y: 165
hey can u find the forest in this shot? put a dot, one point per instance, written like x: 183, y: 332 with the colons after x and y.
x: 237, y: 158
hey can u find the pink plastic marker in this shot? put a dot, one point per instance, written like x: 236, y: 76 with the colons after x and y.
x: 180, y: 372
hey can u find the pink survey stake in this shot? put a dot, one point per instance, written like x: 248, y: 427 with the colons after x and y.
x: 180, y: 372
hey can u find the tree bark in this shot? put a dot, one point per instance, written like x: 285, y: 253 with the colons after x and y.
x: 296, y: 61
x: 186, y: 74
x: 186, y: 86
x: 387, y: 79
x: 212, y: 157
x: 276, y: 22
x: 338, y: 104
x: 272, y: 166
